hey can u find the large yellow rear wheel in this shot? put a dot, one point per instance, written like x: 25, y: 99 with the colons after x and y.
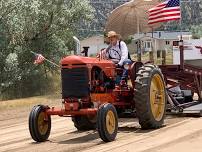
x: 150, y: 97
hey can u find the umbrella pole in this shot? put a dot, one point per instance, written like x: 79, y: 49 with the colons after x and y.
x: 139, y: 51
x: 151, y: 53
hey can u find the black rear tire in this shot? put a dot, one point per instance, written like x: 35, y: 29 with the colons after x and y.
x: 150, y: 97
x: 39, y: 123
x: 107, y: 122
x: 83, y: 123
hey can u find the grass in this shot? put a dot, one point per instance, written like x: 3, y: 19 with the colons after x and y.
x: 43, y: 99
x: 25, y: 102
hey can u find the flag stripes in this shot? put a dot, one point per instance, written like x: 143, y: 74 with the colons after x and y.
x: 39, y: 58
x: 166, y: 11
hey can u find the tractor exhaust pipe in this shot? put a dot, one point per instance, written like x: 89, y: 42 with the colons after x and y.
x: 78, y: 45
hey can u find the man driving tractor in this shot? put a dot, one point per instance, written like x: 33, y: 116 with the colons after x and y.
x: 117, y: 51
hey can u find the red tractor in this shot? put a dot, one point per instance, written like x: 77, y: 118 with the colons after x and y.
x: 94, y: 97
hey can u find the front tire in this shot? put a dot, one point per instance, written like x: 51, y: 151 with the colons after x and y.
x: 107, y: 122
x: 39, y: 123
x: 150, y: 97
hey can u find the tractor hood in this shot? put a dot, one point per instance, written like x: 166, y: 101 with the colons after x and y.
x: 74, y: 61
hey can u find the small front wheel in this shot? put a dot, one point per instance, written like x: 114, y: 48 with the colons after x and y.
x: 107, y: 122
x: 39, y: 123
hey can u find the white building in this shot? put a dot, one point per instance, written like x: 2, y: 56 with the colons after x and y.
x: 159, y: 40
x: 95, y: 44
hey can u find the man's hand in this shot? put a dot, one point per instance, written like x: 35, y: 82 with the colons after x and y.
x: 118, y: 66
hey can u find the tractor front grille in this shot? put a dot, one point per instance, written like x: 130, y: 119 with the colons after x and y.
x: 75, y: 82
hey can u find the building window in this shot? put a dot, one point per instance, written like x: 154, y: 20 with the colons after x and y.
x: 175, y: 43
x: 167, y: 42
x: 147, y: 44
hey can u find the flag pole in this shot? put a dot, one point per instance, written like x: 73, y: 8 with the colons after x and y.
x: 181, y: 46
x: 180, y: 20
x: 47, y: 60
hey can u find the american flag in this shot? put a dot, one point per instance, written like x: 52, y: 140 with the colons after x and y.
x: 166, y: 11
x: 39, y: 58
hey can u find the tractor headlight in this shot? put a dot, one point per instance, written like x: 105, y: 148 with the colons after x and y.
x: 126, y: 66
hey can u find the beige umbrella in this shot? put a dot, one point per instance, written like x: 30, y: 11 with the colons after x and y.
x: 131, y: 18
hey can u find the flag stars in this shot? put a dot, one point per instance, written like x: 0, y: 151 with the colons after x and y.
x: 173, y: 3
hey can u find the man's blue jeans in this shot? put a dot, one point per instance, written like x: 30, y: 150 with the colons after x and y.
x: 125, y: 71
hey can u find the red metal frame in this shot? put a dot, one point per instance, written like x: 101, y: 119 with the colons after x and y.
x: 188, y: 78
x: 63, y: 112
x: 175, y: 76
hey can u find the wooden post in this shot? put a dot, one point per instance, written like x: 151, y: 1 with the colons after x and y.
x: 139, y: 57
x: 151, y: 56
x: 181, y: 46
x: 139, y: 52
x: 164, y: 57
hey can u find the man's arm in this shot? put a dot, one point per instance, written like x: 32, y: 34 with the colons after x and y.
x: 124, y: 54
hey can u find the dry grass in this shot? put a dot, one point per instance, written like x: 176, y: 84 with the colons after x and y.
x: 158, y: 61
x: 25, y: 102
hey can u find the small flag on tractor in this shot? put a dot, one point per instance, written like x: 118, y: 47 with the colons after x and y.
x: 39, y: 58
x: 165, y: 11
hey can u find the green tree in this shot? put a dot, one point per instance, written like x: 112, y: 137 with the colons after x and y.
x: 43, y: 26
x: 196, y: 31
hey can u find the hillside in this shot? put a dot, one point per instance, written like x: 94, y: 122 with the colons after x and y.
x: 191, y: 15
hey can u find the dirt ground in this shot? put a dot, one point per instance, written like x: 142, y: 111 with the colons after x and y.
x: 178, y: 134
